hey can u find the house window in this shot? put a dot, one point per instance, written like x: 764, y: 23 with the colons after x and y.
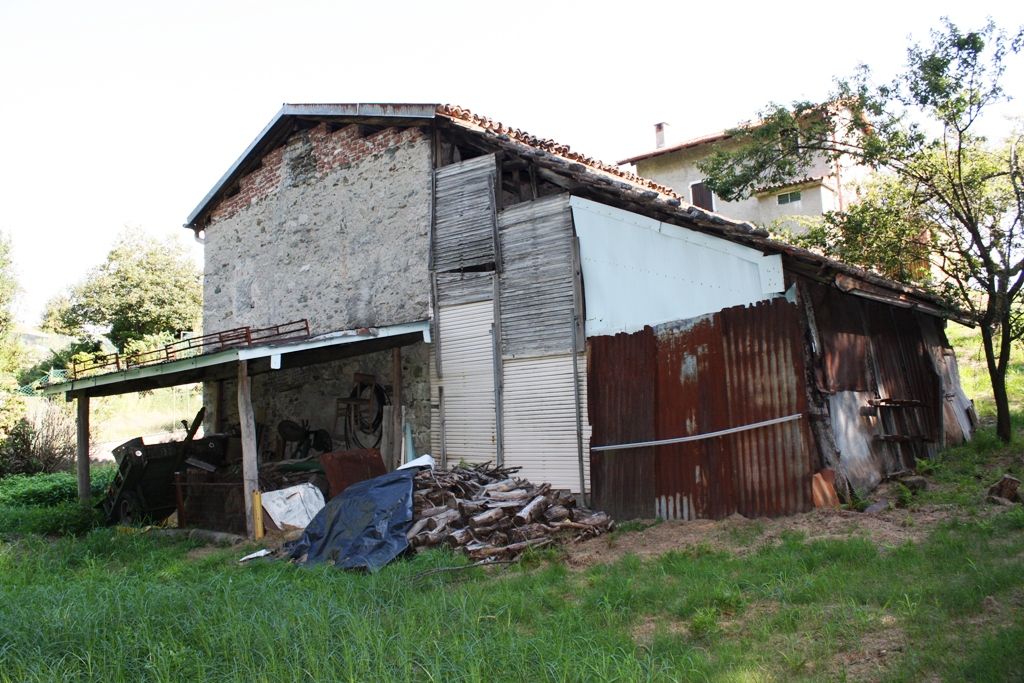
x: 701, y: 196
x: 788, y: 197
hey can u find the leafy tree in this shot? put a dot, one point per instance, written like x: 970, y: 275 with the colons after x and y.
x: 944, y: 191
x: 10, y: 405
x: 145, y: 287
x: 55, y: 315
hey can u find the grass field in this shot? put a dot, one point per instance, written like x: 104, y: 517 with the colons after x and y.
x: 119, y: 418
x: 939, y: 597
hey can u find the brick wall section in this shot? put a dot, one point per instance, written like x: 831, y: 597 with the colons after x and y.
x: 252, y: 187
x: 329, y: 150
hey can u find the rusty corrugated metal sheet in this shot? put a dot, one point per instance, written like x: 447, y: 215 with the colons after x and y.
x: 620, y: 406
x: 905, y: 374
x: 844, y: 341
x: 693, y: 479
x: 766, y: 378
x: 740, y: 366
x: 876, y: 364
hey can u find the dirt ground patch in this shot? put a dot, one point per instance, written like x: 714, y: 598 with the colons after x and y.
x: 740, y: 535
x: 876, y: 651
x: 645, y: 630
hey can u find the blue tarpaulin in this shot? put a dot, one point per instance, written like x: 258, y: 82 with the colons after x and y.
x: 364, y: 526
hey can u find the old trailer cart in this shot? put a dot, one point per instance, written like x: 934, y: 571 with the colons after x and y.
x: 143, y: 488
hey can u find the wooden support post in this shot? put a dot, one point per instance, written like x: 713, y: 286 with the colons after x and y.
x: 82, y: 453
x: 396, y: 411
x: 250, y: 468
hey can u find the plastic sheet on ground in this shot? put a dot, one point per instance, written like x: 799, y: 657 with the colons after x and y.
x: 364, y: 526
x: 422, y: 461
x: 293, y: 507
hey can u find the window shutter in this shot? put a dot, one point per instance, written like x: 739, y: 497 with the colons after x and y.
x: 701, y: 196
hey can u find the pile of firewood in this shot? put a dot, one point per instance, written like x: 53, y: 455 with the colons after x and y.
x: 488, y: 513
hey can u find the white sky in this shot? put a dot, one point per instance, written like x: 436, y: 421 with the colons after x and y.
x: 126, y: 113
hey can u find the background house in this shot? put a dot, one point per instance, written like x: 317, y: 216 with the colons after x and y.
x: 826, y: 185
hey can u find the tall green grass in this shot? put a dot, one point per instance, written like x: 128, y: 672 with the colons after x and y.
x: 974, y: 376
x: 127, y: 607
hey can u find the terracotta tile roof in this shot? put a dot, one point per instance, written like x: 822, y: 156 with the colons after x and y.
x: 679, y: 146
x: 466, y: 116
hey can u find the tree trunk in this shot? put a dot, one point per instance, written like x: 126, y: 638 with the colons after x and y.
x: 997, y: 364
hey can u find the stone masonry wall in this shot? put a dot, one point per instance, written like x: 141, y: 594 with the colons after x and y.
x: 311, y: 393
x: 333, y: 227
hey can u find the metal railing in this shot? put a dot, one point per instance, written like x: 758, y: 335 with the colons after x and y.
x: 193, y: 346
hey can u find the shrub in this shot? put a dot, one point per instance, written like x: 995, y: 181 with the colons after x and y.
x: 52, y: 489
x: 62, y: 519
x: 42, y: 441
x: 16, y: 450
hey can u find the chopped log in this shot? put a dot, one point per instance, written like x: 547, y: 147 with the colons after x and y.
x: 1007, y: 487
x: 435, y: 537
x: 595, y: 519
x: 434, y: 510
x: 565, y: 498
x: 508, y: 550
x: 508, y: 504
x: 500, y: 525
x: 460, y: 537
x: 486, y: 518
x: 468, y: 508
x: 505, y: 485
x: 525, y: 533
x: 417, y: 527
x: 445, y: 518
x: 556, y: 513
x: 514, y: 494
x: 532, y: 510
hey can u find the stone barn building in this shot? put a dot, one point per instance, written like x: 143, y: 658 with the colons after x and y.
x: 514, y: 301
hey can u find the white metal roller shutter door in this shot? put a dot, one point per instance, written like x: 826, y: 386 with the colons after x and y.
x: 467, y: 369
x: 539, y: 411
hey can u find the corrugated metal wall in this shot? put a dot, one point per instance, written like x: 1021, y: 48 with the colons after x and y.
x: 958, y: 417
x: 733, y: 368
x: 892, y: 391
x: 621, y: 401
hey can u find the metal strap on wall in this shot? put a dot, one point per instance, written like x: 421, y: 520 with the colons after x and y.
x: 699, y: 437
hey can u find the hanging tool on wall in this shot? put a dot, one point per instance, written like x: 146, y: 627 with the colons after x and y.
x: 362, y: 412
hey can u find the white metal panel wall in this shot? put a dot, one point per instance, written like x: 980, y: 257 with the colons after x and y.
x: 467, y: 383
x: 539, y: 411
x: 638, y: 271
